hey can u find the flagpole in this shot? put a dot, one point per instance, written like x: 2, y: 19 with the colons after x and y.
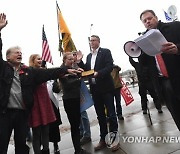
x: 46, y: 53
x: 90, y: 29
x: 60, y: 41
x: 90, y: 35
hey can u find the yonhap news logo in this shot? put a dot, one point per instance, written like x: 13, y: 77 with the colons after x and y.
x: 113, y: 138
x: 150, y: 139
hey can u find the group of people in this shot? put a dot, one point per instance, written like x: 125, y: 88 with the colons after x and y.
x: 25, y: 101
x: 24, y: 92
x: 26, y: 98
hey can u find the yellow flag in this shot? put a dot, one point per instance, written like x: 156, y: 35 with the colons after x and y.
x: 67, y: 42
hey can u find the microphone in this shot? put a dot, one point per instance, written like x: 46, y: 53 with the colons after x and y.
x: 90, y: 35
x: 139, y: 33
x: 142, y: 33
x: 90, y: 29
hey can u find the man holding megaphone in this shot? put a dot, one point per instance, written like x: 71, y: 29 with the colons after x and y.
x: 165, y: 66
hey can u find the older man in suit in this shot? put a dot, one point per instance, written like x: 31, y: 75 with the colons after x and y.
x: 101, y: 88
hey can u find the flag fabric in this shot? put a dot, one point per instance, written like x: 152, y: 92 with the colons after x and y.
x: 66, y: 43
x: 46, y: 53
x: 168, y: 18
x: 85, y: 97
x: 126, y: 94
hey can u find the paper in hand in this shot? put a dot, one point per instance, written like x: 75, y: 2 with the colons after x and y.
x: 151, y: 42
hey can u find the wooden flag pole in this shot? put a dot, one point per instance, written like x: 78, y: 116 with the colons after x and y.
x: 60, y: 40
x: 90, y: 36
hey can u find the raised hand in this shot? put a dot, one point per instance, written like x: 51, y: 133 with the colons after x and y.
x: 79, y: 56
x: 3, y: 21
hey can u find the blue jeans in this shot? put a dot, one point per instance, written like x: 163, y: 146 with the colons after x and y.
x: 85, y: 125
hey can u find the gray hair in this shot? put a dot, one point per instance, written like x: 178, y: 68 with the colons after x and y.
x: 12, y: 49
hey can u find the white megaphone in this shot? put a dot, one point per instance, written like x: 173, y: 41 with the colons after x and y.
x: 132, y: 50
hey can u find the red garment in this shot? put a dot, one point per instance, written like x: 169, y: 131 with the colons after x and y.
x: 162, y: 65
x: 42, y: 111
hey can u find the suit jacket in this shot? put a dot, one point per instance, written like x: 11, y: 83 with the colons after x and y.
x: 171, y: 32
x: 104, y: 66
x: 143, y: 72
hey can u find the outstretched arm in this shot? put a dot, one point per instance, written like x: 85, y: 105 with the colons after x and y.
x: 73, y: 71
x: 3, y: 21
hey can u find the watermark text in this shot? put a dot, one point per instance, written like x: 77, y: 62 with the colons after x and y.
x: 152, y: 139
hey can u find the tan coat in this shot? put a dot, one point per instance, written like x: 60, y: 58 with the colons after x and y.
x: 115, y: 76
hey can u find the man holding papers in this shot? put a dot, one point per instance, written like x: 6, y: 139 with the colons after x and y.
x: 166, y: 66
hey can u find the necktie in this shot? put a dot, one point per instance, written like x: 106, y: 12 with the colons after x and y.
x: 162, y: 65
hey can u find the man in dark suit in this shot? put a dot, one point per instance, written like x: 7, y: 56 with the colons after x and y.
x: 145, y: 85
x: 101, y: 88
x: 170, y: 82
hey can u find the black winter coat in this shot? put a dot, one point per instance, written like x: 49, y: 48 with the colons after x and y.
x: 29, y: 78
x: 171, y: 32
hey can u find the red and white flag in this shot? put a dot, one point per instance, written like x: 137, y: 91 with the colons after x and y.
x: 46, y: 53
x: 126, y: 94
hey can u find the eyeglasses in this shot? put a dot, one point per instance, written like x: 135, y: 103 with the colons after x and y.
x: 93, y: 40
x: 70, y: 59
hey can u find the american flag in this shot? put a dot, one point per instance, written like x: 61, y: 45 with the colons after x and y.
x: 168, y: 18
x: 46, y: 53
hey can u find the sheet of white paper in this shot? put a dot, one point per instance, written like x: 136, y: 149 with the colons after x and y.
x: 151, y: 42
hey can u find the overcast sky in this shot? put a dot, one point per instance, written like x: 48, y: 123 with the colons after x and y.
x: 115, y: 21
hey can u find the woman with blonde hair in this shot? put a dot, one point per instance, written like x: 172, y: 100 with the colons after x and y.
x: 42, y: 113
